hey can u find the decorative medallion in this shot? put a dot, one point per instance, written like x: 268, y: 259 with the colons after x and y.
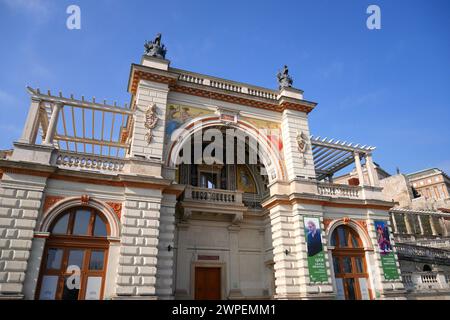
x: 151, y: 120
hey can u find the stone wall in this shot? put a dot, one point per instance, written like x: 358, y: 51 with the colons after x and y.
x: 20, y: 201
x: 139, y: 243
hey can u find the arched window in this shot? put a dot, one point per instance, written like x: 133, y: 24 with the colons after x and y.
x: 75, y: 256
x: 426, y: 268
x: 345, y: 238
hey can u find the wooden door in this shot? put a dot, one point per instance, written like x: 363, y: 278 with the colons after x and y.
x: 207, y: 283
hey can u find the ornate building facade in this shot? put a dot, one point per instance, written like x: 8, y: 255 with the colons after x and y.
x: 106, y: 202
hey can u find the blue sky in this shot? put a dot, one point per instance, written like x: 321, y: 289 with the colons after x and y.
x: 389, y: 88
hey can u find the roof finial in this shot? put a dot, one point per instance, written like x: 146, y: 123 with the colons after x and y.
x: 155, y: 48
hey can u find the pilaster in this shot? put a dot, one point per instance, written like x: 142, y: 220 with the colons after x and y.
x: 139, y: 243
x: 165, y: 264
x: 148, y: 138
x: 20, y: 202
x: 298, y: 164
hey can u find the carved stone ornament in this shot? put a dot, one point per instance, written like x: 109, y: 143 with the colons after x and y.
x: 346, y: 220
x: 155, y: 48
x: 302, y: 145
x: 284, y: 79
x: 85, y: 199
x: 151, y: 120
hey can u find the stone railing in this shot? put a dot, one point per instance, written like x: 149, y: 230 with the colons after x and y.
x: 213, y: 195
x: 190, y: 78
x: 422, y: 254
x: 338, y: 190
x: 262, y: 94
x: 425, y: 281
x: 225, y: 86
x: 228, y: 86
x: 423, y: 240
x: 89, y: 162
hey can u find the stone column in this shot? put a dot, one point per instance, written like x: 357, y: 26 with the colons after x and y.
x: 409, y: 229
x: 139, y: 243
x: 444, y: 227
x: 235, y: 290
x: 20, y: 201
x: 432, y: 225
x: 164, y: 275
x: 31, y: 127
x: 422, y: 232
x: 51, y: 130
x: 394, y: 223
x: 359, y: 169
x: 373, y: 175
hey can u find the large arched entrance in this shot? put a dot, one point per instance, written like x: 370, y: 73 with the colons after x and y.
x: 350, y: 267
x: 75, y: 256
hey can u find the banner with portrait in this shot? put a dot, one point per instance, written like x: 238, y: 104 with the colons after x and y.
x: 385, y: 249
x: 316, y: 256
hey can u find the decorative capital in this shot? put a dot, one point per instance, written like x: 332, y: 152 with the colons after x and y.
x: 284, y: 79
x: 155, y: 48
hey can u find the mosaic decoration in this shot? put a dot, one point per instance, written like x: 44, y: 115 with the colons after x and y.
x: 245, y: 180
x: 273, y: 130
x: 177, y: 115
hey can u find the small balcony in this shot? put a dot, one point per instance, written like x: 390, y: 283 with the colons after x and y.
x: 213, y: 201
x: 426, y: 282
x: 213, y: 196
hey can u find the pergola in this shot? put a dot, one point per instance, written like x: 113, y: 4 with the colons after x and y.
x: 79, y: 125
x: 330, y: 156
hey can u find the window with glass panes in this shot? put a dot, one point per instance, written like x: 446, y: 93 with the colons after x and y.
x: 349, y: 263
x: 75, y: 256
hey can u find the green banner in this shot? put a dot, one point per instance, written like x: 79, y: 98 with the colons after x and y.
x: 388, y: 262
x: 316, y: 256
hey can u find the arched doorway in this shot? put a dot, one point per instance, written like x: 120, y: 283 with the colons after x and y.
x: 75, y: 256
x: 350, y: 268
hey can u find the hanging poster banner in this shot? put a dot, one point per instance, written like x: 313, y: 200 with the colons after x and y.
x: 316, y: 256
x: 385, y: 248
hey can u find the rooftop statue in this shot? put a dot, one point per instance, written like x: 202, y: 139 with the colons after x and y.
x: 155, y: 48
x: 284, y: 79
